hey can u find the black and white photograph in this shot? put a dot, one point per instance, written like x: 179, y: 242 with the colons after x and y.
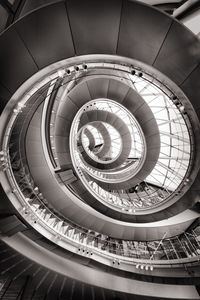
x: 100, y: 149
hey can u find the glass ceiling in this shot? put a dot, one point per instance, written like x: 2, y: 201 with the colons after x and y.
x: 175, y: 145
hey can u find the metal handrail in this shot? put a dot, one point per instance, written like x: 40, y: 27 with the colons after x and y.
x: 36, y: 209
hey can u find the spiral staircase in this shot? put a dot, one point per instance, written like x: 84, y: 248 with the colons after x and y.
x: 99, y: 155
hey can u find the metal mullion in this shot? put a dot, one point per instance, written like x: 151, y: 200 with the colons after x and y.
x: 150, y: 252
x: 185, y: 234
x: 177, y: 137
x: 182, y: 246
x: 174, y: 248
x: 195, y: 235
x: 164, y: 250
